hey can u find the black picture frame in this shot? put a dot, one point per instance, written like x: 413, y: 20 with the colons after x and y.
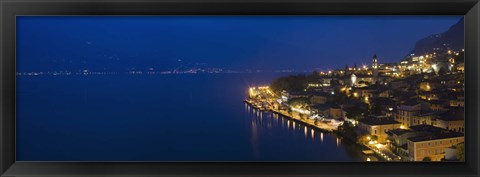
x: 11, y: 8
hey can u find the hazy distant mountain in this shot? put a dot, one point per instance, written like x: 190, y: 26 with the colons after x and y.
x: 451, y: 39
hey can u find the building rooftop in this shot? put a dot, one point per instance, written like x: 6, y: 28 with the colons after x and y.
x: 436, y: 136
x: 427, y: 128
x: 321, y: 106
x: 452, y: 115
x: 405, y: 95
x: 399, y: 131
x: 429, y: 112
x: 335, y: 106
x: 351, y: 104
x: 437, y: 102
x: 384, y: 101
x: 375, y: 121
x: 411, y: 102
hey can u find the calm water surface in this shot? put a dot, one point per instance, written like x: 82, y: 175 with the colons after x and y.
x: 198, y: 117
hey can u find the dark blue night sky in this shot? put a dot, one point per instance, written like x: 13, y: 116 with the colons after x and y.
x: 236, y: 42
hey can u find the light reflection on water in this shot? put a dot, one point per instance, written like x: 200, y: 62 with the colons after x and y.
x: 271, y: 121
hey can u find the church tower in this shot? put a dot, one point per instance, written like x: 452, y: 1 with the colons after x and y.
x: 375, y: 68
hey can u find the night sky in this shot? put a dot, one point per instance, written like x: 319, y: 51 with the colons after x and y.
x: 53, y: 43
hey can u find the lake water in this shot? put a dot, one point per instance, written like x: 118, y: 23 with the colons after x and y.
x: 183, y: 117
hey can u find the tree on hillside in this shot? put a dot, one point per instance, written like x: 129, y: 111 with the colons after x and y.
x: 299, y: 102
x: 347, y: 131
x: 354, y: 113
x: 293, y: 83
x: 376, y: 108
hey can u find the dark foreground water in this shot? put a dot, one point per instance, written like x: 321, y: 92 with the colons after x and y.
x: 160, y: 118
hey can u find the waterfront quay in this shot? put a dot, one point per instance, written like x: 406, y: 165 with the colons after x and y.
x: 319, y: 125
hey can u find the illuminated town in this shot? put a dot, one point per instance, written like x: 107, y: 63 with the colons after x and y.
x: 412, y: 110
x: 241, y: 88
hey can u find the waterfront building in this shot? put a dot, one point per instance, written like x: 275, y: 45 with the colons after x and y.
x: 426, y: 117
x: 398, y: 138
x: 336, y: 111
x: 414, y: 113
x: 329, y: 110
x: 406, y: 112
x: 453, y: 120
x: 432, y: 146
x: 377, y: 127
